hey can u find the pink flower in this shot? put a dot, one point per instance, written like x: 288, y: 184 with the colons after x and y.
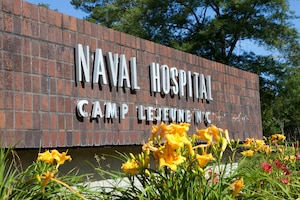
x: 298, y: 157
x: 285, y: 171
x: 267, y: 167
x: 285, y: 180
x: 278, y: 163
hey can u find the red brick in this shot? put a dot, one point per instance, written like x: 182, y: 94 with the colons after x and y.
x: 2, y: 119
x: 53, y: 121
x: 61, y: 139
x: 17, y: 4
x: 53, y: 104
x: 61, y: 122
x: 76, y: 138
x: 87, y: 27
x: 58, y: 19
x: 19, y: 139
x: 26, y: 27
x: 59, y: 35
x: 36, y: 83
x: 46, y: 135
x: 80, y: 26
x: 9, y: 120
x: 27, y: 83
x: 27, y: 120
x: 90, y: 138
x: 54, y: 138
x: 51, y: 36
x: 2, y: 100
x: 45, y: 121
x: 28, y: 102
x: 7, y: 5
x: 8, y: 81
x: 36, y: 103
x: 65, y: 21
x: 10, y: 138
x: 18, y: 98
x: 72, y: 23
x: 43, y: 14
x: 9, y: 99
x: 35, y: 29
x: 44, y: 103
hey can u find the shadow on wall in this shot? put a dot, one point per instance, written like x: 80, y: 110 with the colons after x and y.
x: 84, y: 159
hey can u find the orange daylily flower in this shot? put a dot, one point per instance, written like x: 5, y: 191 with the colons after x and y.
x: 204, y: 159
x: 236, y: 186
x: 170, y: 158
x: 130, y: 167
x: 248, y: 142
x: 204, y: 134
x: 46, y: 157
x: 248, y: 153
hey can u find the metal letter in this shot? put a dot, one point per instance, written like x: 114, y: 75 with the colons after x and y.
x: 82, y: 58
x: 174, y: 82
x: 80, y: 109
x: 113, y: 68
x: 133, y: 74
x: 182, y: 82
x: 99, y: 68
x: 96, y: 110
x: 208, y: 82
x: 165, y: 78
x: 154, y: 77
x: 110, y: 110
x: 123, y: 110
x: 123, y: 72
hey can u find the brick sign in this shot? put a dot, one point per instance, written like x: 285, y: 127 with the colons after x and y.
x: 65, y: 82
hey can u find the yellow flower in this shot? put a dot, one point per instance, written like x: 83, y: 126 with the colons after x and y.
x: 60, y: 157
x: 170, y: 158
x: 204, y: 134
x: 277, y: 137
x: 38, y: 177
x: 48, y: 176
x: 290, y: 158
x: 267, y: 149
x: 224, y: 143
x: 45, y: 157
x: 180, y: 129
x: 236, y: 186
x: 130, y: 167
x: 215, y: 132
x: 204, y: 159
x: 248, y: 142
x: 247, y: 153
x: 154, y: 131
x: 259, y: 144
x: 227, y: 135
x: 175, y: 141
x: 280, y: 137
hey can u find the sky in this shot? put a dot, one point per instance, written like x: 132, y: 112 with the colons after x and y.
x: 64, y: 6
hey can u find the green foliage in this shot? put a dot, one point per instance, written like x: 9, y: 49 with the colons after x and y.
x: 41, y: 180
x: 44, y: 5
x: 179, y: 169
x: 8, y: 173
x: 274, y: 175
x: 172, y: 165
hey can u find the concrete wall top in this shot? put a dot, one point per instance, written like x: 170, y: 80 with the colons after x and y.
x: 40, y: 95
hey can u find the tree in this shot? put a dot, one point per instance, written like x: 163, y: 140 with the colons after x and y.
x: 212, y: 29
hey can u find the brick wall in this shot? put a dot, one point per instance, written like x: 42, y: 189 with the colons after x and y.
x: 39, y: 92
